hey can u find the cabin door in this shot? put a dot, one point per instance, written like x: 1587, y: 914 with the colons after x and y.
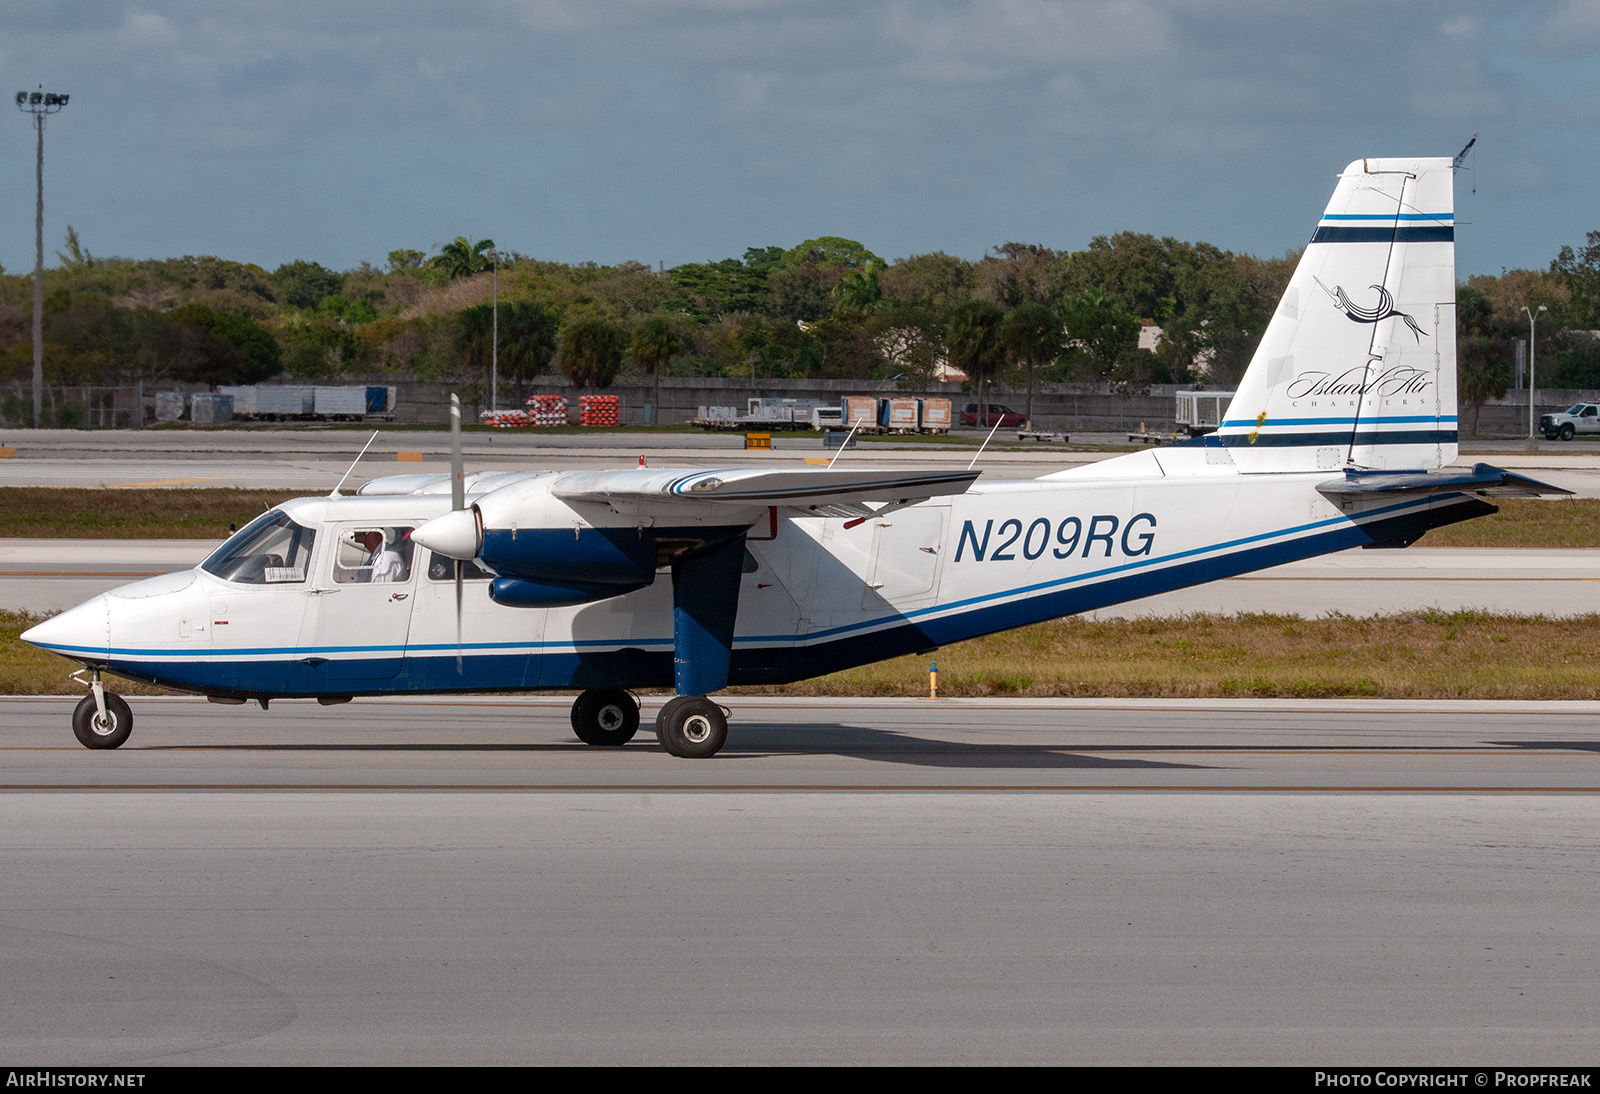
x: 359, y: 618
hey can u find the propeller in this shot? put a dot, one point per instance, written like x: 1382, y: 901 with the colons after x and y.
x: 458, y: 499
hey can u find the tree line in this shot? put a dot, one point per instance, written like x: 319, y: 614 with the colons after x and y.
x: 827, y: 307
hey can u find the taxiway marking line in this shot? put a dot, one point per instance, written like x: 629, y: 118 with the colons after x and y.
x: 78, y: 573
x: 1145, y: 751
x: 811, y: 788
x: 1414, y: 580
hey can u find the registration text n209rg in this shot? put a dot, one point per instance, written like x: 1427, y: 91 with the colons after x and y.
x: 1099, y: 536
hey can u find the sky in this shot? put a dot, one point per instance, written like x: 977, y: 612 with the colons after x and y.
x: 688, y: 130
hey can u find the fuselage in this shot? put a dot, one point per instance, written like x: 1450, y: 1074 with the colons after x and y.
x: 290, y: 606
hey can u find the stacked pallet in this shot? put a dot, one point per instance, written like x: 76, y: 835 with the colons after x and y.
x: 547, y: 410
x: 599, y: 410
x: 505, y: 419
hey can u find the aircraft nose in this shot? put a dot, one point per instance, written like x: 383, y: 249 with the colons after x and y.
x: 81, y: 633
x: 454, y: 535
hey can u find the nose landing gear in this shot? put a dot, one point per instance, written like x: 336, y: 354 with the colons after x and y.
x: 102, y: 719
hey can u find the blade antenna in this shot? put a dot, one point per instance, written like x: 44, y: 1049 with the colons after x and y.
x: 353, y: 463
x: 842, y: 444
x: 986, y: 441
x: 458, y: 499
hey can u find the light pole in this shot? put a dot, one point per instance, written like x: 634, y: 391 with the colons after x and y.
x: 39, y: 103
x: 1533, y: 329
x: 494, y: 350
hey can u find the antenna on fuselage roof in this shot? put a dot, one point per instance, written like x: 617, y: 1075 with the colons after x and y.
x: 846, y: 442
x: 1461, y: 156
x: 353, y: 463
x: 986, y: 441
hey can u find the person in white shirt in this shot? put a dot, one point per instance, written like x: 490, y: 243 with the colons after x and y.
x: 385, y: 562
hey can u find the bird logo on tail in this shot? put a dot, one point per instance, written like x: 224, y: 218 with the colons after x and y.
x: 1384, y: 310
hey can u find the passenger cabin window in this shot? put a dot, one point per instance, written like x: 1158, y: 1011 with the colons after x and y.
x: 373, y: 556
x: 441, y: 568
x: 270, y: 550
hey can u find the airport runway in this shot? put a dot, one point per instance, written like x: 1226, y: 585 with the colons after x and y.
x: 849, y: 882
x: 526, y: 743
x: 46, y: 575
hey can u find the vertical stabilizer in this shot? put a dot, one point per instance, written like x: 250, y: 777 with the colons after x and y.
x: 1358, y: 365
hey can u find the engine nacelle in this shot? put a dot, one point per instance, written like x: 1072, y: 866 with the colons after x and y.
x: 575, y: 556
x: 516, y: 592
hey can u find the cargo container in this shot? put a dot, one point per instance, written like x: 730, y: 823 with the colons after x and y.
x: 339, y: 404
x: 861, y: 411
x: 208, y: 409
x: 169, y: 406
x: 900, y: 414
x: 301, y: 402
x: 935, y: 415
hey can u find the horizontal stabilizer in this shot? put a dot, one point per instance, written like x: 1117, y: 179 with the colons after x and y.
x: 805, y: 488
x: 1482, y: 479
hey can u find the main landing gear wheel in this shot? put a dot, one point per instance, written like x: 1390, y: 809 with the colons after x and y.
x: 94, y: 731
x: 692, y: 726
x: 606, y: 717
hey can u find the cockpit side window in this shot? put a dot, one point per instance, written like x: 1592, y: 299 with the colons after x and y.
x: 441, y: 568
x: 270, y: 550
x: 373, y: 555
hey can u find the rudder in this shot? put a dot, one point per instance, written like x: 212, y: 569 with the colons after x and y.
x: 1358, y: 366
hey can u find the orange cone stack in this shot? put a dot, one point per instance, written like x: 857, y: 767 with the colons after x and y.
x: 600, y: 410
x: 547, y: 410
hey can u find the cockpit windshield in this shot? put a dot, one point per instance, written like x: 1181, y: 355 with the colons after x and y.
x: 270, y: 550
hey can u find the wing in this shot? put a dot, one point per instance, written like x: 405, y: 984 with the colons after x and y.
x: 644, y: 496
x: 810, y: 488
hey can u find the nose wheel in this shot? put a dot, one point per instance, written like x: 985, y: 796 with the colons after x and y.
x: 95, y: 728
x: 692, y: 726
x: 605, y: 717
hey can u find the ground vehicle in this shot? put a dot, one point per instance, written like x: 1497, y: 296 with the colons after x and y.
x: 998, y: 413
x: 1568, y: 423
x: 1201, y: 411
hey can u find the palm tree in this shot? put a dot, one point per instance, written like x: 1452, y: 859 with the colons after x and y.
x: 1033, y: 334
x: 527, y: 340
x: 973, y: 342
x: 462, y: 258
x: 653, y: 344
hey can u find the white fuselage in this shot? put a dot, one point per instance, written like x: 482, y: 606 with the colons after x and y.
x: 818, y: 594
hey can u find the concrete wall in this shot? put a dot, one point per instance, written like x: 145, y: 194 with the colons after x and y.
x: 1083, y: 407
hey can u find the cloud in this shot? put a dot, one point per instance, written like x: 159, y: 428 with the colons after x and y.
x: 679, y: 129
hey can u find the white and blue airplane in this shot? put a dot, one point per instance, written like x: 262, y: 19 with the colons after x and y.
x: 609, y: 581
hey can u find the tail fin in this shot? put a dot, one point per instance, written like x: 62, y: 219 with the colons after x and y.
x: 1358, y: 366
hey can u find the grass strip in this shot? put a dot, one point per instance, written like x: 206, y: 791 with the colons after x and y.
x: 1418, y: 655
x: 1526, y: 522
x: 44, y: 512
